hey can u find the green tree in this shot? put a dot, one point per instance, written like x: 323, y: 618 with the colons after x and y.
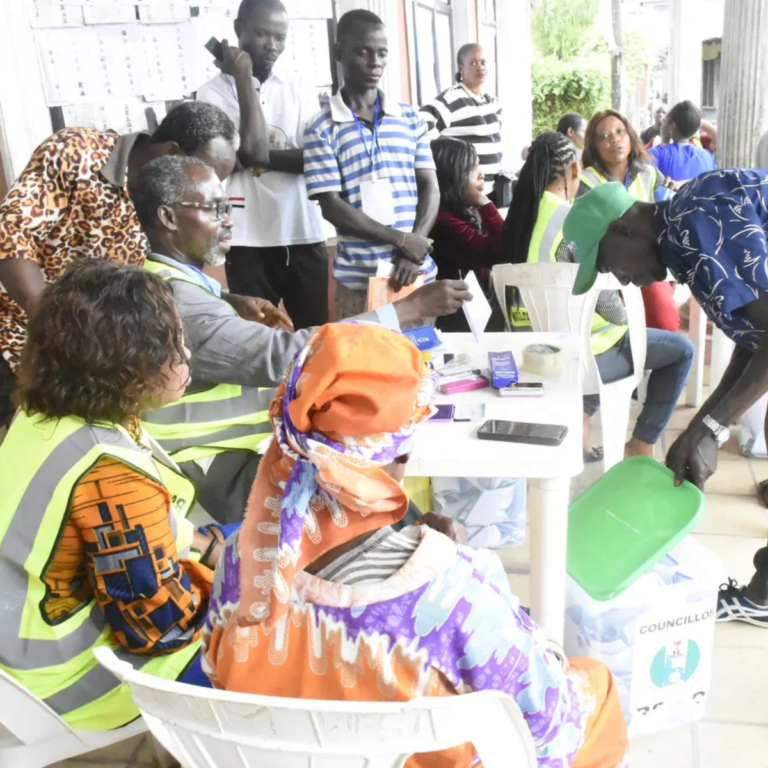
x: 558, y: 27
x: 560, y: 87
x: 572, y: 64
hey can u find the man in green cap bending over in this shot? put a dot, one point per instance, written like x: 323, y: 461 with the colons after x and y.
x: 713, y: 237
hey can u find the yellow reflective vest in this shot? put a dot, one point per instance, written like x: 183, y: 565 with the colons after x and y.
x: 41, y: 463
x: 641, y: 188
x: 224, y: 417
x: 545, y: 241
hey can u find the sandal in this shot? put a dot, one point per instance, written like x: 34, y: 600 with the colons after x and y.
x: 596, y: 454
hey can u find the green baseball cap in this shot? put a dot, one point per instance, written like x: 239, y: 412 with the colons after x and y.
x: 586, y: 224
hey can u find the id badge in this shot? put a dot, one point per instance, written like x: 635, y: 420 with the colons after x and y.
x: 377, y: 201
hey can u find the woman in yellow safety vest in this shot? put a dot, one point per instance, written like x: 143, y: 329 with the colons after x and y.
x: 95, y: 547
x: 533, y: 233
x: 614, y: 152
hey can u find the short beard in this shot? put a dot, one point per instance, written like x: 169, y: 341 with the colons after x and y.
x: 214, y: 257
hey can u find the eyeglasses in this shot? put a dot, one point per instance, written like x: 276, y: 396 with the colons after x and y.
x: 221, y: 209
x: 619, y: 132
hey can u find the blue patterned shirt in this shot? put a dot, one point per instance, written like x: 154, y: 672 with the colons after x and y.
x: 714, y: 238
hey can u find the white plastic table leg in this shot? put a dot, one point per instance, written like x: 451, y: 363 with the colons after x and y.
x: 697, y: 333
x: 722, y: 349
x: 548, y: 506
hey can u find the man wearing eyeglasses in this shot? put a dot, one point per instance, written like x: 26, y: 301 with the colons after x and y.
x: 215, y: 430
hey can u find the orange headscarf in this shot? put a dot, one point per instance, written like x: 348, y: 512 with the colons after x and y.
x: 348, y: 406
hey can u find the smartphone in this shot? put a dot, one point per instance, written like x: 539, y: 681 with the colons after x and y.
x: 525, y: 389
x: 444, y: 413
x: 520, y: 432
x: 213, y: 46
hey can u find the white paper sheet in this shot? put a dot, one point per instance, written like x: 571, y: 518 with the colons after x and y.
x: 478, y: 311
x: 309, y: 9
x: 109, y: 12
x: 126, y: 116
x: 385, y: 268
x: 89, y: 64
x: 67, y: 65
x: 172, y: 61
x: 163, y: 14
x: 52, y: 13
x: 120, y: 64
x: 307, y: 50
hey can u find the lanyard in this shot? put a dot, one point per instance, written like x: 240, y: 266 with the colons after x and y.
x: 627, y: 180
x: 375, y: 139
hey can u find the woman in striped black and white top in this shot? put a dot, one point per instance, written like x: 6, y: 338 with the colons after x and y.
x: 464, y: 111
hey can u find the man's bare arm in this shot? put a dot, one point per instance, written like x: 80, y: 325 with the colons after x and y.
x: 24, y: 282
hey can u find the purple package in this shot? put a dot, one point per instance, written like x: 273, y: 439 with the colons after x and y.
x: 444, y: 413
x: 503, y: 369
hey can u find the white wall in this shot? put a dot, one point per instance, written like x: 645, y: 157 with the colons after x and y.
x: 515, y: 55
x: 24, y: 117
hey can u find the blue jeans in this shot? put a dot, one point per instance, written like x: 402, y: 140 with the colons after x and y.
x: 193, y: 674
x: 669, y: 359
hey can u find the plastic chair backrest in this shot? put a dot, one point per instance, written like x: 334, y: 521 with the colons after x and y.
x: 205, y: 728
x: 545, y: 289
x: 25, y: 717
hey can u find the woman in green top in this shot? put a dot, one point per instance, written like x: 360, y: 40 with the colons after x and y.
x: 548, y: 181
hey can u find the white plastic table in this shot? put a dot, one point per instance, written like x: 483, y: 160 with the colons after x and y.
x: 453, y: 450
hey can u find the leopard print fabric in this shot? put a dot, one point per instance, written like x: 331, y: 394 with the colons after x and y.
x: 60, y: 210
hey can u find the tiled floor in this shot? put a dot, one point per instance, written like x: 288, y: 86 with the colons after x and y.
x: 734, y: 733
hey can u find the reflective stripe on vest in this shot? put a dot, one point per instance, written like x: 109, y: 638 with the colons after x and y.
x: 605, y: 334
x: 545, y: 240
x: 42, y: 462
x: 548, y: 231
x: 641, y: 187
x: 226, y: 417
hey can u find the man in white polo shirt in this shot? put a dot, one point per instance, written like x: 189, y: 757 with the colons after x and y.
x: 278, y: 248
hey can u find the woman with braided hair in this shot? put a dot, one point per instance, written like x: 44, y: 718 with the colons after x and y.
x: 548, y: 181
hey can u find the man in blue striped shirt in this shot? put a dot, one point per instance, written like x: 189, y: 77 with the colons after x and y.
x: 367, y: 161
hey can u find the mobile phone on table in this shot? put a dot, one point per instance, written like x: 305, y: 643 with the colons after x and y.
x: 522, y: 432
x: 213, y: 46
x: 522, y: 389
x: 444, y: 413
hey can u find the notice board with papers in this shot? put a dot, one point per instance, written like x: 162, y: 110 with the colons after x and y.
x: 120, y: 64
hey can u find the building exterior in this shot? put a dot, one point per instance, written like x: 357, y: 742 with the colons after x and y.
x: 424, y: 38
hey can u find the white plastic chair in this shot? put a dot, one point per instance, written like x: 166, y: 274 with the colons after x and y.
x: 32, y: 735
x: 545, y: 290
x: 203, y: 728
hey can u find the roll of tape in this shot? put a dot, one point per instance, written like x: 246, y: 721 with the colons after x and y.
x: 543, y: 359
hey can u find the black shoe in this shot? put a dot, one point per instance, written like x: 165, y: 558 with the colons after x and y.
x: 733, y: 605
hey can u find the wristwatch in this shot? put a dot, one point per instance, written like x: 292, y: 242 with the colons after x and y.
x: 721, y: 433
